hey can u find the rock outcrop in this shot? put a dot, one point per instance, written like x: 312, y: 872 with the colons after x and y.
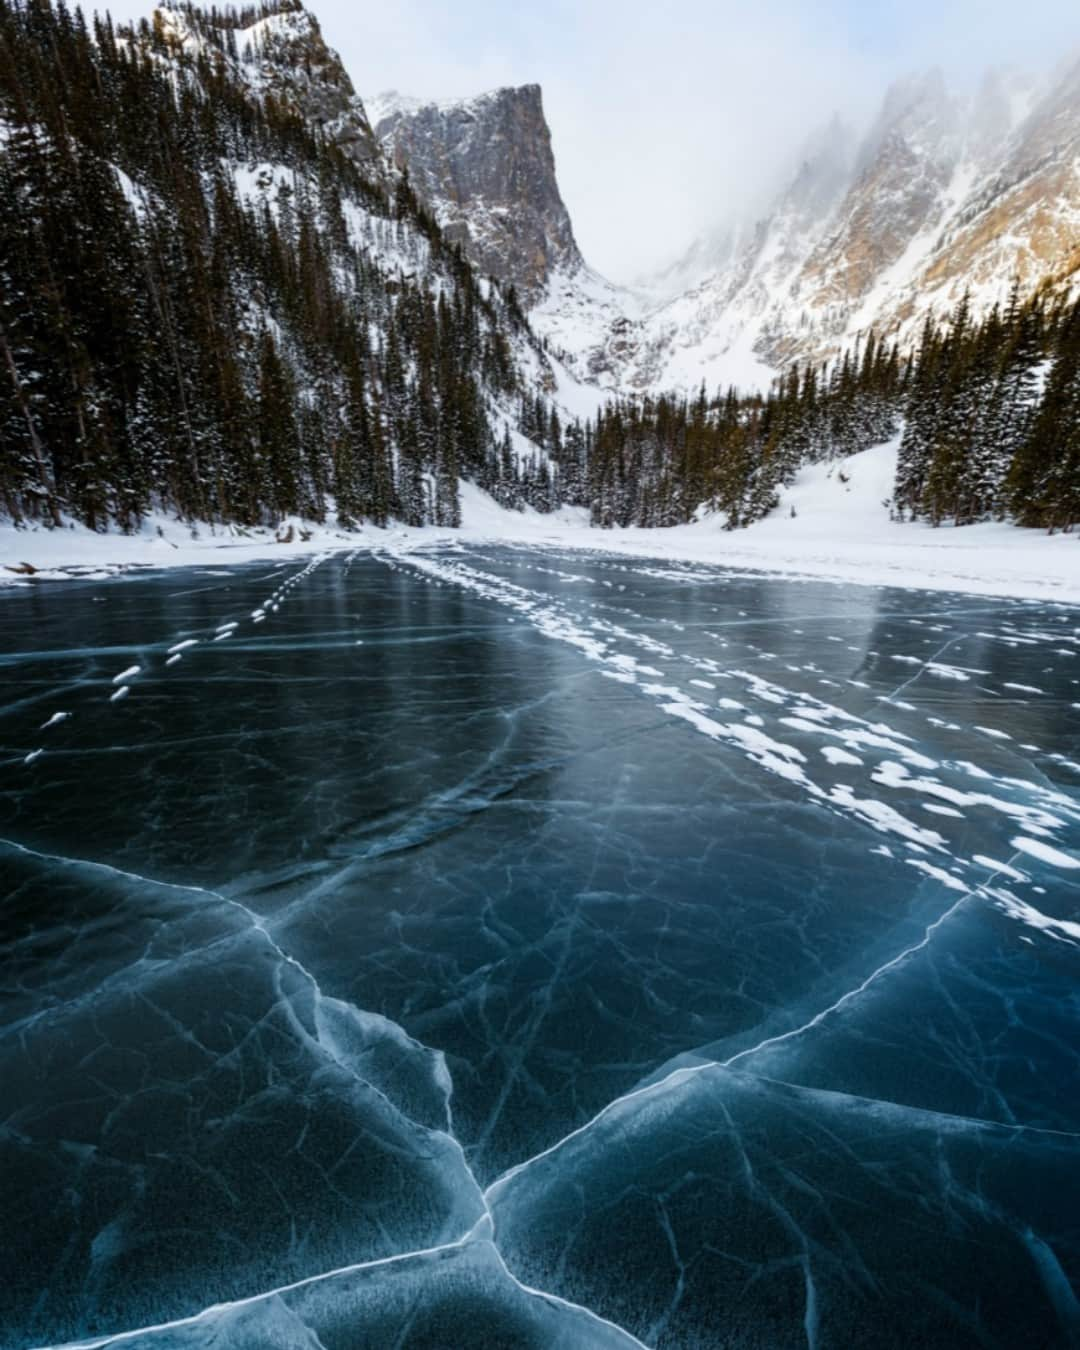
x: 485, y: 167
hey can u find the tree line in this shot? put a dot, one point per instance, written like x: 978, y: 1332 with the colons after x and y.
x: 989, y: 412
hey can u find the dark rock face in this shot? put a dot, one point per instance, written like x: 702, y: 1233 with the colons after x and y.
x: 485, y: 167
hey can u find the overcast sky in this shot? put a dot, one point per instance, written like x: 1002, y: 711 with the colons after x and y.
x: 666, y: 116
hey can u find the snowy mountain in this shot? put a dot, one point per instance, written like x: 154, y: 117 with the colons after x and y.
x: 485, y: 169
x: 872, y: 232
x: 230, y: 294
x: 255, y: 317
x: 940, y: 195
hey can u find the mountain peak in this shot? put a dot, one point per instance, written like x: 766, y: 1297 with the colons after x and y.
x: 279, y: 48
x: 917, y: 113
x: 485, y: 167
x: 392, y: 103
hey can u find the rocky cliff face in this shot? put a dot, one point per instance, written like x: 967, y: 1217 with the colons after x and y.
x: 902, y: 175
x: 832, y: 251
x: 485, y: 167
x: 299, y: 66
x: 1022, y: 218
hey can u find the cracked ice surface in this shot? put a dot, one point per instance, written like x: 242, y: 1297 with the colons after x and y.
x: 205, y: 1109
x: 459, y: 1295
x: 714, y: 919
x: 750, y: 1212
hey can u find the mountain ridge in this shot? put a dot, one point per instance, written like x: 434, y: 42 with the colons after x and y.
x: 485, y: 168
x: 219, y: 298
x: 870, y: 233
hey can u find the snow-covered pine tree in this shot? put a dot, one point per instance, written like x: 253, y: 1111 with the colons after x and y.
x: 1044, y: 479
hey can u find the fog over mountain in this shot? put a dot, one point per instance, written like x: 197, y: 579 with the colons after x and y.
x: 946, y: 190
x: 708, y: 103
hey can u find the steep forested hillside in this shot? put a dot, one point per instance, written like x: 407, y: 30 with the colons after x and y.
x: 217, y: 300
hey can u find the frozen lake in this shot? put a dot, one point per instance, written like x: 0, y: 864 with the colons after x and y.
x: 711, y: 941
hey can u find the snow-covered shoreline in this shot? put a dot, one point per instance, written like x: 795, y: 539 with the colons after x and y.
x: 840, y: 531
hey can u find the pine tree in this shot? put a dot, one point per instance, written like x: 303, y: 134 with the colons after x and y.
x: 1044, y: 480
x: 276, y: 438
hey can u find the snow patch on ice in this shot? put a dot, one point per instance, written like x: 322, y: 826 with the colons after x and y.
x: 1053, y: 857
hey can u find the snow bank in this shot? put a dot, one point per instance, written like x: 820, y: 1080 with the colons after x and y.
x: 840, y: 531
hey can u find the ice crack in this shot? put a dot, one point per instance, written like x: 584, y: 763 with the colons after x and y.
x: 215, y: 1309
x: 482, y: 1229
x: 680, y: 1075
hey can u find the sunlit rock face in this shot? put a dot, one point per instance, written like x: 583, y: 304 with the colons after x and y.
x: 941, y: 196
x: 508, y: 946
